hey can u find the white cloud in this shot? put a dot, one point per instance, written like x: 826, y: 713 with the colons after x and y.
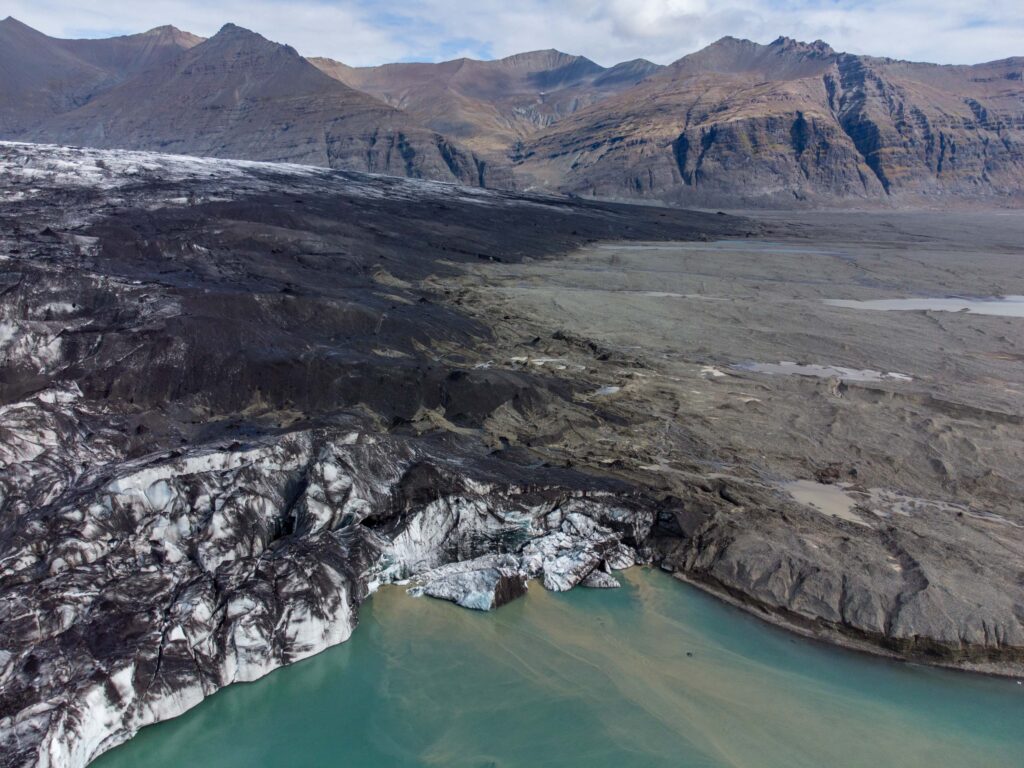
x: 365, y: 32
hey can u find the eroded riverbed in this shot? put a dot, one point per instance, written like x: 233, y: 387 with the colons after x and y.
x: 654, y: 674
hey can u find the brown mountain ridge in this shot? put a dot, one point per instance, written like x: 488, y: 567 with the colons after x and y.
x: 42, y: 76
x: 239, y: 95
x: 491, y: 106
x: 734, y: 123
x: 793, y: 121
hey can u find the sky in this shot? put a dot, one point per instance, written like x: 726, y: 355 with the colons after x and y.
x: 363, y: 32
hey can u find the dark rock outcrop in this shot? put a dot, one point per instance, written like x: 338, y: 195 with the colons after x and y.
x: 920, y: 587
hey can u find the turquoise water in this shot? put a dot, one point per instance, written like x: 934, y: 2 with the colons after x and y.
x: 654, y: 674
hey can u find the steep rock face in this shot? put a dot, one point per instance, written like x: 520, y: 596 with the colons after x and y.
x: 490, y: 106
x: 802, y: 155
x: 792, y: 122
x: 240, y: 95
x: 934, y: 130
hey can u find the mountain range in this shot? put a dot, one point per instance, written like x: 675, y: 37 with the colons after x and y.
x: 796, y: 121
x: 493, y: 105
x: 235, y: 95
x: 738, y: 122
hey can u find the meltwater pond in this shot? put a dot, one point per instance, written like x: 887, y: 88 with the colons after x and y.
x: 654, y: 674
x: 1002, y: 306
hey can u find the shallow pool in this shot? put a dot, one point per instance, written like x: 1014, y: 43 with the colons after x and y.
x: 1006, y: 306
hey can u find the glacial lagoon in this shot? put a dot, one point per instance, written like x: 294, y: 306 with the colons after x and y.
x: 653, y: 674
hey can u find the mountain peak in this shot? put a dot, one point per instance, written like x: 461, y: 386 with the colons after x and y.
x: 818, y: 47
x: 234, y: 32
x: 232, y: 36
x: 12, y: 22
x: 169, y: 33
x: 730, y: 40
x: 233, y: 29
x: 548, y: 58
x: 783, y: 58
x: 547, y: 69
x: 167, y: 30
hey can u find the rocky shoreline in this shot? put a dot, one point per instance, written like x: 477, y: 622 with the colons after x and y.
x: 1008, y: 666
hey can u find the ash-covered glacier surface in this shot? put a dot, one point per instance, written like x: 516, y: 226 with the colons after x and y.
x: 232, y: 404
